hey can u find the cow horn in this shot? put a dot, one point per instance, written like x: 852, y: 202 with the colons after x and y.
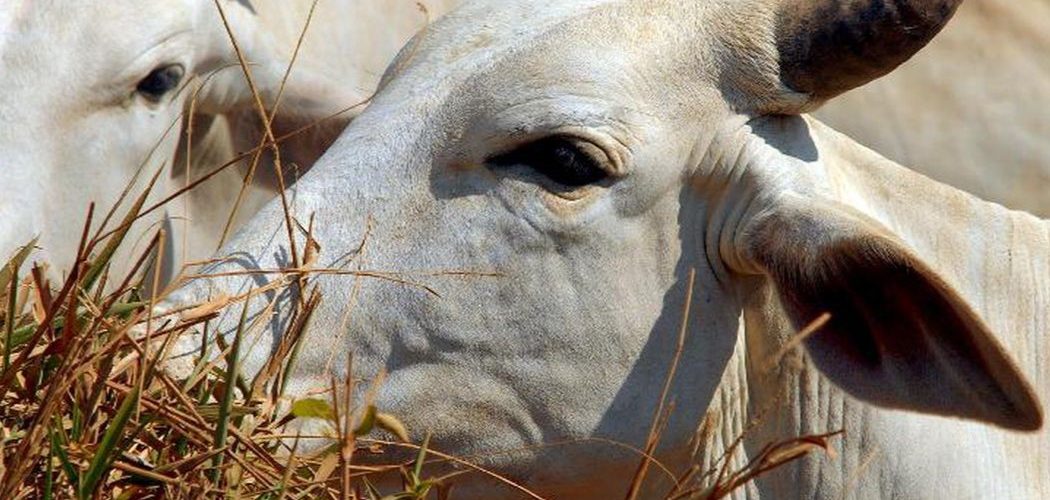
x: 828, y: 47
x: 247, y: 4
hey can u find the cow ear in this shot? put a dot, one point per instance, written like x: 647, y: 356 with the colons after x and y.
x: 899, y: 336
x: 310, y: 97
x: 305, y: 93
x: 313, y: 106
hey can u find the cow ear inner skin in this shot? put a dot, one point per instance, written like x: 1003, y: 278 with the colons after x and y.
x: 899, y: 335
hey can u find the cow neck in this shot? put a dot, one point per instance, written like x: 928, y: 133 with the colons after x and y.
x: 995, y: 258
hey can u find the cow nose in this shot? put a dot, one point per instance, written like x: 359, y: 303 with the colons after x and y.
x: 254, y: 274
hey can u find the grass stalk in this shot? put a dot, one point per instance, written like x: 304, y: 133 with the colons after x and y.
x: 229, y: 391
x: 12, y: 316
x: 107, y: 450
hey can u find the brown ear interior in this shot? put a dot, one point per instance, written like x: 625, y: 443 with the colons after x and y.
x: 307, y: 139
x: 898, y: 336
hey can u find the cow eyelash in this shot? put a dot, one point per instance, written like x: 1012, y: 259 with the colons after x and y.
x: 160, y: 82
x: 568, y: 161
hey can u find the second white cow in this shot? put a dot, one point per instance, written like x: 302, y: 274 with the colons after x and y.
x: 93, y: 97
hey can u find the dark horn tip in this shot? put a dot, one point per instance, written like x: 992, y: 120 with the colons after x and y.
x: 247, y: 4
x: 828, y: 47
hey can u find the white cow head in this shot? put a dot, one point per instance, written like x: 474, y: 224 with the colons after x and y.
x: 591, y: 153
x: 92, y: 95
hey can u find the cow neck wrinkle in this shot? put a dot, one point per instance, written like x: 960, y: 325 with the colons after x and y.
x: 994, y: 257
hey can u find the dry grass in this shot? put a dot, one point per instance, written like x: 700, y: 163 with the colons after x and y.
x: 86, y: 412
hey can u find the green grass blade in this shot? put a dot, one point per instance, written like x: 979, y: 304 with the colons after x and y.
x: 78, y: 421
x: 15, y: 263
x: 368, y: 422
x: 124, y: 309
x: 9, y: 321
x: 58, y: 444
x: 9, y: 280
x: 221, y: 427
x: 107, y: 449
x: 417, y: 470
x: 22, y: 335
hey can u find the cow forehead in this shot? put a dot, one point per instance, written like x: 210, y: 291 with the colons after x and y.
x: 612, y: 49
x: 460, y: 46
x: 76, y: 27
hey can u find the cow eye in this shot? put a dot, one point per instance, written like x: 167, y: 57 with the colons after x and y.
x: 160, y: 82
x: 567, y: 161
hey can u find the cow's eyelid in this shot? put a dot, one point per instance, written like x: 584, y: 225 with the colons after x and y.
x: 161, y: 81
x: 568, y: 161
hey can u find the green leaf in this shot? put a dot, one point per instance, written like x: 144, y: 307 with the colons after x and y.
x: 313, y: 408
x: 107, y: 449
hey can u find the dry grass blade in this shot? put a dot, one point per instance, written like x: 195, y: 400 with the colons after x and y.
x: 525, y: 492
x: 268, y: 125
x: 260, y: 108
x: 770, y: 458
x: 286, y: 349
x: 145, y: 474
x: 114, y: 241
x: 797, y: 340
x: 654, y: 431
x: 9, y: 273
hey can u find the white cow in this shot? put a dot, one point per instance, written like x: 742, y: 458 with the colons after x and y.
x: 589, y: 155
x: 92, y: 96
x: 970, y: 109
